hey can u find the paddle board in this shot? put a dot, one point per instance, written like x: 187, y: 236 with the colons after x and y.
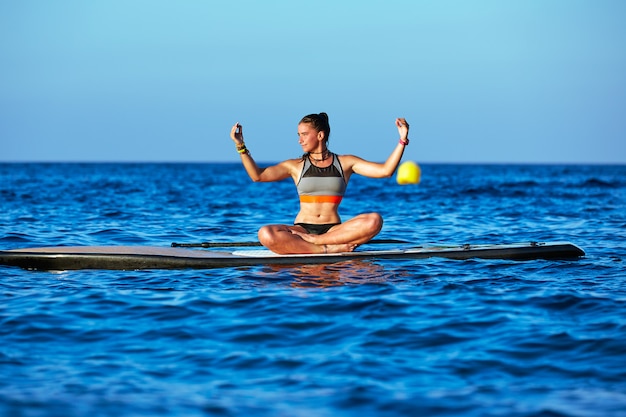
x: 152, y: 257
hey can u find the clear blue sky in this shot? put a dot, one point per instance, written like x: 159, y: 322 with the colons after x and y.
x: 148, y: 80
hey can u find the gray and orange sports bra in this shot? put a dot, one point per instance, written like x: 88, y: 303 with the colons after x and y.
x: 321, y: 185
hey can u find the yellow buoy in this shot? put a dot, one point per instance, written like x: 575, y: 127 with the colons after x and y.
x: 408, y: 173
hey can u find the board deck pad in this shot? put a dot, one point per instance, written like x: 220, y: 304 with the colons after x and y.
x: 155, y: 257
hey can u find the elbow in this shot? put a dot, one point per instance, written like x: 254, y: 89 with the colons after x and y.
x: 388, y: 170
x: 257, y: 178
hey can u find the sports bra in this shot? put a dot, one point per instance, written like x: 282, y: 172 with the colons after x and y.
x: 321, y: 185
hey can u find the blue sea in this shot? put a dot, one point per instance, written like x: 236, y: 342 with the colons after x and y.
x: 432, y: 337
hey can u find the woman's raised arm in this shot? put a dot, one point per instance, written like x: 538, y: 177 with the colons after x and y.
x: 386, y: 169
x: 273, y: 173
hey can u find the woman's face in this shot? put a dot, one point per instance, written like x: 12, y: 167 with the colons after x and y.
x: 309, y: 138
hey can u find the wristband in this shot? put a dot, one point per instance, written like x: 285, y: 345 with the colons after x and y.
x: 404, y: 142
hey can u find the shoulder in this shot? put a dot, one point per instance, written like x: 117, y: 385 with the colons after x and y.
x: 292, y: 163
x: 348, y: 161
x: 357, y: 165
x: 293, y: 166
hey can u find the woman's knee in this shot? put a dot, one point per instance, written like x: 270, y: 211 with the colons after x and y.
x: 265, y: 235
x: 373, y: 222
x: 378, y: 221
x: 268, y: 235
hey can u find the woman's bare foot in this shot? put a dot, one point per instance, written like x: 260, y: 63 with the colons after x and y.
x: 307, y: 237
x: 345, y: 247
x: 328, y: 248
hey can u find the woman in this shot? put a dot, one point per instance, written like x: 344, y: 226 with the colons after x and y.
x: 321, y: 178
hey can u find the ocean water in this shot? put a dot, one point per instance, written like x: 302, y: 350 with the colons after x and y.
x: 431, y: 337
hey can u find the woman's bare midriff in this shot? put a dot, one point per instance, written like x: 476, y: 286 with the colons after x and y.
x: 318, y: 213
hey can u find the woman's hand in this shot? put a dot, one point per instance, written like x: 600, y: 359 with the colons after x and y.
x: 236, y: 134
x: 403, y: 128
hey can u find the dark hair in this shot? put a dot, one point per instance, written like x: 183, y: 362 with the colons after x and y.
x: 319, y: 122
